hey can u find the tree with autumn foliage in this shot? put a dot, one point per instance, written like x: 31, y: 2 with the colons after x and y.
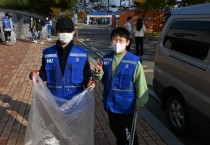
x: 82, y: 15
x: 152, y: 5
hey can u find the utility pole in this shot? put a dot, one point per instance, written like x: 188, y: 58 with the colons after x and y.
x: 120, y: 4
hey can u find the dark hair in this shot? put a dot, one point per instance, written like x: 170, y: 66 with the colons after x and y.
x: 6, y: 14
x: 122, y: 32
x: 129, y: 18
x: 139, y: 24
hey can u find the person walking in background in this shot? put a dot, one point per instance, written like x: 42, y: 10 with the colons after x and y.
x: 125, y: 87
x: 7, y: 26
x: 129, y: 27
x: 39, y: 26
x: 48, y: 24
x: 32, y: 28
x: 67, y: 61
x: 139, y: 30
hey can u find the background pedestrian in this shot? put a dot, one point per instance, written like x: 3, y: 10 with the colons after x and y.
x: 39, y: 26
x: 48, y: 24
x: 139, y: 30
x: 7, y: 26
x: 32, y: 28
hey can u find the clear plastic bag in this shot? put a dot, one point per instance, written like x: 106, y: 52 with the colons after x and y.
x: 55, y: 121
x: 12, y: 37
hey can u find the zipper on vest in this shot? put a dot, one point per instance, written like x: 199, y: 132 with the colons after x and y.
x: 63, y: 83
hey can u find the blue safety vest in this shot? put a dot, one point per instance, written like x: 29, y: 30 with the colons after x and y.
x: 72, y: 82
x: 49, y: 24
x: 119, y: 91
x: 6, y: 24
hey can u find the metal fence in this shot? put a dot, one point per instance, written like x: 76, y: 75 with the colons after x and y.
x: 19, y: 28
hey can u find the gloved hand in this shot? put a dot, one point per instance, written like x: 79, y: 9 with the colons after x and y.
x: 34, y: 73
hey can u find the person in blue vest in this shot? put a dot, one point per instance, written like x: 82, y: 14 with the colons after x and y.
x: 65, y: 67
x: 48, y: 24
x: 125, y: 87
x: 7, y: 26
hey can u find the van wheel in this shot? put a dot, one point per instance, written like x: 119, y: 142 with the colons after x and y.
x: 176, y: 113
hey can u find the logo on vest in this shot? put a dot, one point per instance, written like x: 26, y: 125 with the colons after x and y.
x: 127, y: 65
x: 77, y: 59
x: 106, y: 62
x: 50, y: 60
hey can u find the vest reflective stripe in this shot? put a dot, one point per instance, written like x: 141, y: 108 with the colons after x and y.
x: 128, y: 61
x: 71, y: 83
x: 64, y: 86
x: 55, y: 86
x: 107, y: 59
x: 78, y: 55
x: 123, y: 90
x: 50, y: 55
x: 119, y: 91
x: 72, y: 86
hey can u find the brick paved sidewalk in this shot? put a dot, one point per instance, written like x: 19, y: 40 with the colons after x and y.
x: 16, y: 95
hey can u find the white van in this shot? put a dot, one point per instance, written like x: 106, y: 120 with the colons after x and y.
x: 182, y: 69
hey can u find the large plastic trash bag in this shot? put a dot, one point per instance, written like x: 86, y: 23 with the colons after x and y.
x: 12, y: 38
x: 2, y: 35
x: 54, y: 121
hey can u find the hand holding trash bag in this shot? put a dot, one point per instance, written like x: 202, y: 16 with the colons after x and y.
x: 56, y: 121
x: 35, y: 74
x: 66, y: 70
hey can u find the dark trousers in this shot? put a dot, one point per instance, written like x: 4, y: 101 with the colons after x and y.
x: 139, y: 46
x: 118, y: 124
x: 128, y: 48
x: 7, y: 35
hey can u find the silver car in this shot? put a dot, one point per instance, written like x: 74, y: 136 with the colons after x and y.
x: 182, y: 69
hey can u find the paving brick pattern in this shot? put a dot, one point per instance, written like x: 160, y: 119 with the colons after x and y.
x: 16, y: 95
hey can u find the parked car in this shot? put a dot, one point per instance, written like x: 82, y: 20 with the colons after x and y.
x: 182, y: 69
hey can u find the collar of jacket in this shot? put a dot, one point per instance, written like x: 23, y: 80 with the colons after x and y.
x: 68, y: 47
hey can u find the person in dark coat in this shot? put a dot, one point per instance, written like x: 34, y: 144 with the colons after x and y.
x: 67, y: 61
x: 32, y: 29
x: 39, y: 26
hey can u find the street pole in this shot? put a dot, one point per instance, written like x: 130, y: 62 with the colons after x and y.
x: 120, y: 4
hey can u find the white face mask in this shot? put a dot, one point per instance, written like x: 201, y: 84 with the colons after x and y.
x: 65, y: 37
x: 118, y: 47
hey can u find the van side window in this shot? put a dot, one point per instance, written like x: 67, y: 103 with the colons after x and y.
x: 191, y: 38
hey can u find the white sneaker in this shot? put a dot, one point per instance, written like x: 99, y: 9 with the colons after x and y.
x: 41, y: 42
x: 7, y: 42
x: 49, y: 39
x: 34, y: 41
